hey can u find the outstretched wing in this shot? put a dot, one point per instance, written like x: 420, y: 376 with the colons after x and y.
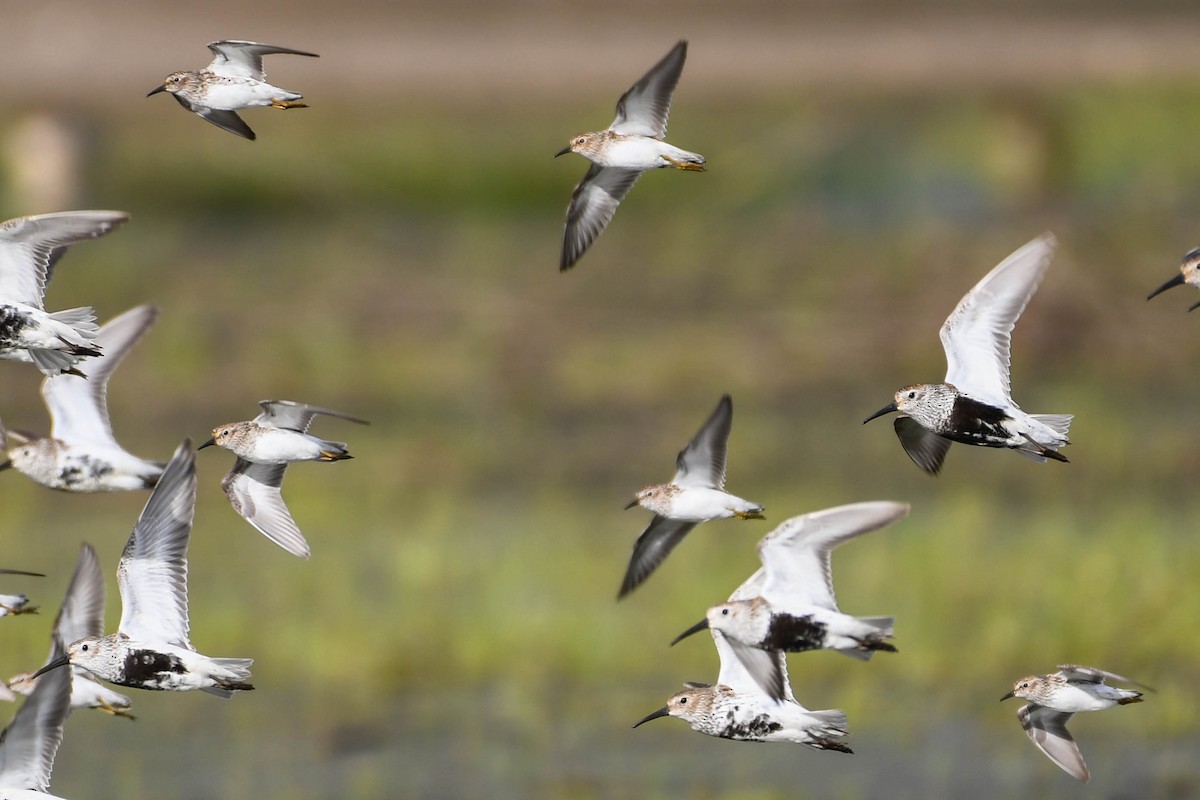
x: 1077, y: 673
x: 234, y: 58
x: 796, y: 555
x: 592, y: 206
x: 643, y: 109
x: 152, y: 573
x: 31, y: 246
x: 977, y: 335
x: 652, y: 548
x: 1047, y: 728
x: 702, y: 461
x: 293, y: 416
x: 30, y: 742
x: 253, y: 489
x: 79, y: 405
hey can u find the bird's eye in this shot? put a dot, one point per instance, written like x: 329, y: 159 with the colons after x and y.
x: 912, y: 395
x: 725, y: 612
x: 683, y: 701
x: 1025, y: 685
x: 83, y: 648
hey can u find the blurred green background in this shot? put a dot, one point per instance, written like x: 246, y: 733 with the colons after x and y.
x: 391, y: 252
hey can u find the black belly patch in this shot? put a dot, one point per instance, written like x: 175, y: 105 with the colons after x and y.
x: 758, y: 728
x: 12, y: 322
x: 794, y: 634
x: 974, y: 422
x: 147, y: 669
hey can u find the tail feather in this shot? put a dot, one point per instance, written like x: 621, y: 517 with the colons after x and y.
x: 834, y: 719
x: 82, y: 319
x: 240, y: 667
x: 52, y: 362
x: 1059, y: 423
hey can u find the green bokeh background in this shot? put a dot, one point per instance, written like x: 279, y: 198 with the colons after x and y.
x: 391, y: 252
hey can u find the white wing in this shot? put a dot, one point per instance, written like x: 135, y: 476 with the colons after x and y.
x: 234, y: 58
x: 79, y: 406
x: 253, y: 489
x: 152, y: 573
x: 592, y: 206
x: 976, y: 336
x: 1047, y: 729
x: 31, y: 246
x: 30, y: 742
x: 795, y: 555
x: 702, y: 461
x: 644, y: 108
x: 752, y: 671
x: 293, y: 416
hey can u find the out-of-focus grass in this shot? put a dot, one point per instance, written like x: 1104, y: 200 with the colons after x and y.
x: 406, y: 272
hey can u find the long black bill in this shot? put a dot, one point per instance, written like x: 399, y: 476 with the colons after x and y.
x: 156, y: 90
x: 55, y: 664
x: 1176, y: 281
x: 888, y: 409
x: 209, y: 443
x: 563, y: 152
x: 631, y: 504
x: 1193, y: 306
x: 699, y: 626
x: 1010, y: 694
x: 662, y: 712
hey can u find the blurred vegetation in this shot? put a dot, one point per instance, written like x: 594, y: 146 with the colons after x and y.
x: 456, y: 633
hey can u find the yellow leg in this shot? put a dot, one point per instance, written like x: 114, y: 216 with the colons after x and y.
x: 687, y: 165
x: 748, y: 515
x: 287, y: 104
x: 108, y: 708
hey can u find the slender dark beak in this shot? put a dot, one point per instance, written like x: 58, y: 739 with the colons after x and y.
x: 631, y: 504
x: 1193, y: 306
x: 55, y: 664
x: 6, y: 464
x: 156, y: 90
x: 1171, y: 284
x: 699, y: 626
x: 563, y: 152
x: 889, y: 408
x: 209, y: 443
x: 662, y: 712
x: 1010, y: 694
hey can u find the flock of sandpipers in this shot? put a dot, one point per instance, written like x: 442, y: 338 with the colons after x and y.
x: 788, y: 605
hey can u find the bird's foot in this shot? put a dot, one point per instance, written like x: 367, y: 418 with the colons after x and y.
x: 687, y: 165
x: 748, y: 515
x: 285, y: 104
x: 109, y: 708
